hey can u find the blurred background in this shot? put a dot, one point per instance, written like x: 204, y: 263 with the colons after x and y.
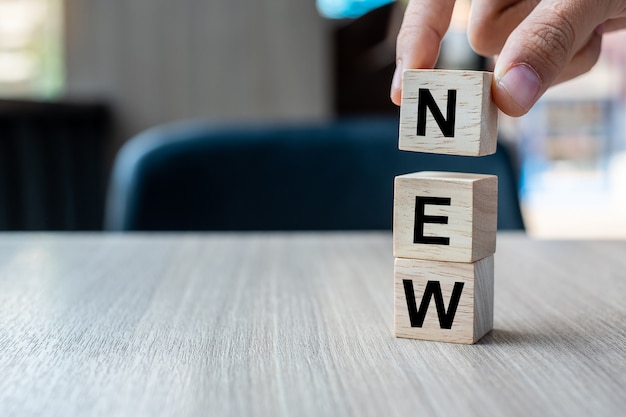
x: 79, y: 78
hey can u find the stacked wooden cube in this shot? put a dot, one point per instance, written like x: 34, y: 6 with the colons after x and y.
x: 444, y: 231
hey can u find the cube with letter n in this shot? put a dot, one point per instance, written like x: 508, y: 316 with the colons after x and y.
x: 448, y: 112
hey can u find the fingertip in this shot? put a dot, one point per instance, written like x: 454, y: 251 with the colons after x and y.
x: 396, y: 84
x: 516, y: 89
x: 506, y: 104
x: 396, y: 97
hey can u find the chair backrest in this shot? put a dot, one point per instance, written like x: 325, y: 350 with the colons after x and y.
x: 322, y: 176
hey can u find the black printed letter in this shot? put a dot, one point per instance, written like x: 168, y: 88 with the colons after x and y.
x: 425, y: 99
x: 421, y: 218
x: 433, y: 288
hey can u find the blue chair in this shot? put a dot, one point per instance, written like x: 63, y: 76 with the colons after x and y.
x: 319, y: 176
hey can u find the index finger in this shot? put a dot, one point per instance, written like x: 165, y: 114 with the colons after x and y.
x: 424, y: 25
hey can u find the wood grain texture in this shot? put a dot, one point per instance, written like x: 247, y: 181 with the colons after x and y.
x: 473, y: 316
x: 470, y: 215
x: 476, y: 122
x: 296, y: 324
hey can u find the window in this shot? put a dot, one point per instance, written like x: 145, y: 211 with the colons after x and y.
x: 31, y: 48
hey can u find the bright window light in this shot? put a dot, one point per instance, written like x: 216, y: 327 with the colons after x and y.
x: 30, y: 48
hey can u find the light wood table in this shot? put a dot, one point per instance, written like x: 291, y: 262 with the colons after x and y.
x: 296, y: 325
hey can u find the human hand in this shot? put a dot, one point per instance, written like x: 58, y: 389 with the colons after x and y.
x: 538, y: 43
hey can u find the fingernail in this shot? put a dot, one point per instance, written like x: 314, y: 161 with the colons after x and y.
x: 522, y: 84
x: 396, y: 82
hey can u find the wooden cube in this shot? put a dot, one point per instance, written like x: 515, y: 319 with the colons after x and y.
x: 448, y: 112
x: 445, y: 216
x: 443, y: 301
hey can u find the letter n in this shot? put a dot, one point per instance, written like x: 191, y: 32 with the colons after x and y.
x: 425, y: 99
x: 433, y: 289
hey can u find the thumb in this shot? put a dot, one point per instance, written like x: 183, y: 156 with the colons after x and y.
x: 558, y: 38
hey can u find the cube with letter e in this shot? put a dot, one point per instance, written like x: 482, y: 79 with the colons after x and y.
x: 445, y: 216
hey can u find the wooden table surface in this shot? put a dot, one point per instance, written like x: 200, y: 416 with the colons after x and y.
x: 296, y: 325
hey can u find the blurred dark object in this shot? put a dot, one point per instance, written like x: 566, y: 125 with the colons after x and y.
x: 325, y: 176
x: 364, y: 61
x: 52, y: 166
x: 365, y: 55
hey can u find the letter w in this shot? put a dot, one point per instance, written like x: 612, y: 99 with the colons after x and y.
x: 425, y: 99
x: 433, y: 288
